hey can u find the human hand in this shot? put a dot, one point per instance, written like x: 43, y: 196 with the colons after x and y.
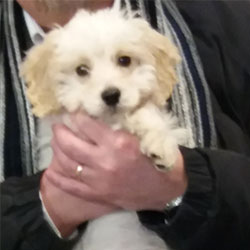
x: 66, y: 210
x: 114, y: 169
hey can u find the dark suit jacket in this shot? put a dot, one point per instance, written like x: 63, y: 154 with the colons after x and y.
x: 215, y: 212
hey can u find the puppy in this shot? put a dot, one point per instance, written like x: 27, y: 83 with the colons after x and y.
x: 118, y: 69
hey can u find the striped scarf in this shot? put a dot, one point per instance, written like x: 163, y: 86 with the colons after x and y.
x: 190, y: 100
x: 10, y: 59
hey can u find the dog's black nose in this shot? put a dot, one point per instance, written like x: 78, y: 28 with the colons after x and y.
x: 111, y: 96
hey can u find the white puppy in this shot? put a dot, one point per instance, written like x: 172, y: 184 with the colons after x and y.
x: 117, y: 69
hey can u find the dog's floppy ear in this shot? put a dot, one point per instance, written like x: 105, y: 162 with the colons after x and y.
x: 166, y: 58
x: 37, y: 72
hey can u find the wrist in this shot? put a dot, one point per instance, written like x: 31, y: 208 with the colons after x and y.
x: 180, y: 175
x: 52, y: 199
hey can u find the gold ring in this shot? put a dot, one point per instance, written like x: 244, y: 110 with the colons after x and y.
x: 79, y: 169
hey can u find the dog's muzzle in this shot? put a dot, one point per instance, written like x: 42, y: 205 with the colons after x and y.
x: 111, y: 96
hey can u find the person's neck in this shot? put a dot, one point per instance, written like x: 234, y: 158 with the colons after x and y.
x: 47, y: 19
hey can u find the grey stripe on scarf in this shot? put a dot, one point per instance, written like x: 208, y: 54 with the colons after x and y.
x: 173, y: 10
x: 2, y: 101
x: 24, y: 110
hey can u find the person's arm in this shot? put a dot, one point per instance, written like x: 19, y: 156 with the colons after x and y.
x: 214, y: 213
x: 215, y: 210
x: 23, y: 226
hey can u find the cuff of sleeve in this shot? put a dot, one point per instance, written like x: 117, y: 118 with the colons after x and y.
x: 198, y: 201
x: 52, y: 224
x: 200, y: 192
x: 200, y: 178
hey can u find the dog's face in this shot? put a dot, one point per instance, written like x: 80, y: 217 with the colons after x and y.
x: 103, y: 63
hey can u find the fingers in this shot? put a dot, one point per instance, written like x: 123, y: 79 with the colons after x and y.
x: 75, y: 129
x: 73, y: 147
x: 68, y: 167
x: 71, y: 186
x: 65, y: 166
x: 95, y: 130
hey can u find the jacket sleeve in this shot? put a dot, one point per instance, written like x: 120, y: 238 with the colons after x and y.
x: 215, y: 211
x: 23, y: 226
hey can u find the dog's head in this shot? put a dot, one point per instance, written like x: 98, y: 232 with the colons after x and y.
x: 100, y: 62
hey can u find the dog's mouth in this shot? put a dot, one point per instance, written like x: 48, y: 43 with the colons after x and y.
x: 113, y: 110
x: 107, y: 112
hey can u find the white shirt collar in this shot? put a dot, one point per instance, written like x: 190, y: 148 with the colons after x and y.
x: 35, y: 31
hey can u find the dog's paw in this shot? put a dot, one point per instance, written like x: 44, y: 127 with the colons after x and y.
x: 163, y: 150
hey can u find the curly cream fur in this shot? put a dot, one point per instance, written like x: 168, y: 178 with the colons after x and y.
x: 151, y: 47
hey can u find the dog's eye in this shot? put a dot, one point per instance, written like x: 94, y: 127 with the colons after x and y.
x: 124, y: 61
x: 82, y: 70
